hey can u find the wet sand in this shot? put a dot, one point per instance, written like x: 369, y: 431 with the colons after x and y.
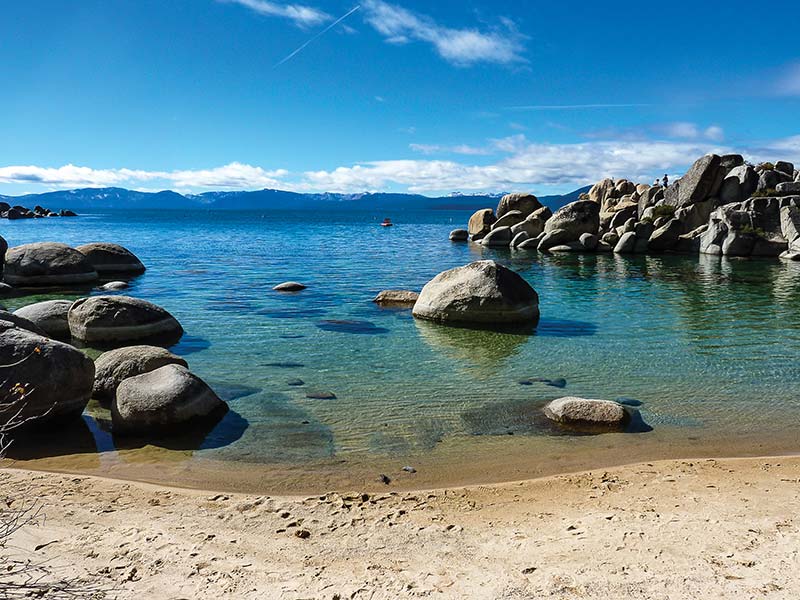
x: 669, y: 529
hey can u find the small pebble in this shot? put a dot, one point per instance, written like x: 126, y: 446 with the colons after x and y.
x: 303, y: 533
x: 409, y: 469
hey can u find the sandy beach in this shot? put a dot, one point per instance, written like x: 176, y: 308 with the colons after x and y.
x: 670, y: 529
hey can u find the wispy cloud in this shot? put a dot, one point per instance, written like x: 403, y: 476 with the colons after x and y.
x: 572, y: 106
x: 300, y: 15
x: 464, y: 149
x: 462, y: 47
x: 789, y: 82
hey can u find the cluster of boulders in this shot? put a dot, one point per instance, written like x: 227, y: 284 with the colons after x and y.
x: 20, y: 212
x: 722, y: 205
x: 49, y: 379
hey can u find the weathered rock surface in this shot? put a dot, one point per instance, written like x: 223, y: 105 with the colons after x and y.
x: 115, y: 366
x: 167, y: 398
x: 396, y: 298
x: 511, y: 218
x: 701, y: 181
x: 665, y: 237
x: 57, y: 378
x: 524, y: 203
x: 482, y: 292
x: 480, y: 223
x: 47, y: 264
x: 50, y: 316
x: 459, y: 235
x: 121, y: 319
x: 575, y: 218
x: 111, y: 258
x: 586, y: 412
x: 500, y: 237
x: 22, y: 323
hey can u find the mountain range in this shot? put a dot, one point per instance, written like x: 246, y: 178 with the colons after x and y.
x: 92, y: 199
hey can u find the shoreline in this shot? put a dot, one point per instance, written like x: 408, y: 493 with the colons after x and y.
x: 710, y: 528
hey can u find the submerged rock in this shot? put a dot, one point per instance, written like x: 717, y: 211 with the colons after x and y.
x: 111, y: 258
x: 56, y: 378
x: 121, y: 319
x: 404, y: 298
x: 575, y: 411
x: 289, y: 286
x: 167, y: 398
x: 114, y: 286
x: 115, y: 366
x: 50, y: 316
x: 481, y: 292
x: 47, y: 264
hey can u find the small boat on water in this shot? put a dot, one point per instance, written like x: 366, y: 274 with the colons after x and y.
x: 387, y: 222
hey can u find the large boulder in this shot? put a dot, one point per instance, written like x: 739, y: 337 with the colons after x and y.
x: 626, y: 244
x: 47, y: 264
x: 480, y: 223
x: 788, y: 188
x: 601, y: 190
x: 56, y: 378
x: 400, y: 298
x: 167, y: 398
x: 3, y: 249
x: 739, y: 184
x: 524, y: 203
x: 459, y: 235
x: 22, y: 323
x: 575, y: 218
x: 115, y: 366
x: 785, y: 167
x: 511, y: 218
x: 770, y: 179
x: 665, y: 237
x: 790, y: 226
x: 500, y: 238
x: 119, y: 319
x: 50, y: 316
x: 700, y: 182
x: 587, y: 412
x: 482, y: 293
x: 111, y: 258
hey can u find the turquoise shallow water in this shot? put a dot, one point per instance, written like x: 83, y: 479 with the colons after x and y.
x: 709, y: 347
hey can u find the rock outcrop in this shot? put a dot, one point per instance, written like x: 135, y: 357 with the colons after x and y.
x: 585, y: 412
x: 480, y: 223
x: 50, y: 316
x: 120, y: 319
x: 109, y: 258
x: 115, y: 366
x: 480, y: 293
x: 47, y: 264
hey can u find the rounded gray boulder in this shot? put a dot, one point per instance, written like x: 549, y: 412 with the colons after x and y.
x: 289, y: 286
x: 56, y: 377
x: 121, y: 319
x: 586, y: 412
x: 524, y: 203
x: 115, y: 366
x: 111, y: 258
x: 482, y: 292
x: 50, y: 316
x: 47, y: 264
x: 166, y: 398
x: 575, y: 219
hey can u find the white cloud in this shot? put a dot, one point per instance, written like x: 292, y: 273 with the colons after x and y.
x: 715, y: 133
x: 521, y: 164
x: 458, y: 149
x: 461, y: 47
x: 302, y: 16
x: 789, y: 83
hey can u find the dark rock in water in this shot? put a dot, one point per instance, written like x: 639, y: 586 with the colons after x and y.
x: 234, y: 391
x: 67, y: 213
x: 291, y: 336
x: 289, y: 286
x: 111, y: 258
x: 525, y: 382
x: 565, y: 328
x: 292, y: 313
x: 351, y: 326
x: 629, y: 401
x: 321, y: 395
x: 285, y: 365
x: 558, y: 383
x: 51, y: 380
x: 121, y: 319
x: 459, y: 235
x: 167, y: 398
x: 47, y: 264
x: 480, y: 293
x: 189, y: 344
x: 115, y: 366
x: 50, y: 316
x: 295, y: 382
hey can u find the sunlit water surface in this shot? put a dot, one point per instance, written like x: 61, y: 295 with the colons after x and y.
x: 706, y: 348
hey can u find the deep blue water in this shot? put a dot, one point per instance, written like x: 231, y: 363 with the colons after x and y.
x: 700, y: 344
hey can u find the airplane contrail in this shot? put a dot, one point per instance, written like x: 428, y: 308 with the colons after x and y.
x: 321, y: 33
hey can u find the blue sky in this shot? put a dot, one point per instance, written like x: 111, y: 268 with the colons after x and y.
x: 429, y: 97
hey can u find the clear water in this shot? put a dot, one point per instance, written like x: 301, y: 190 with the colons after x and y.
x: 709, y: 347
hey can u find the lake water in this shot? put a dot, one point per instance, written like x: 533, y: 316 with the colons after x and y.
x: 707, y: 348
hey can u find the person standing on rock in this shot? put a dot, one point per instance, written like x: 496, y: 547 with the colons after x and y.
x: 665, y: 181
x: 657, y: 182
